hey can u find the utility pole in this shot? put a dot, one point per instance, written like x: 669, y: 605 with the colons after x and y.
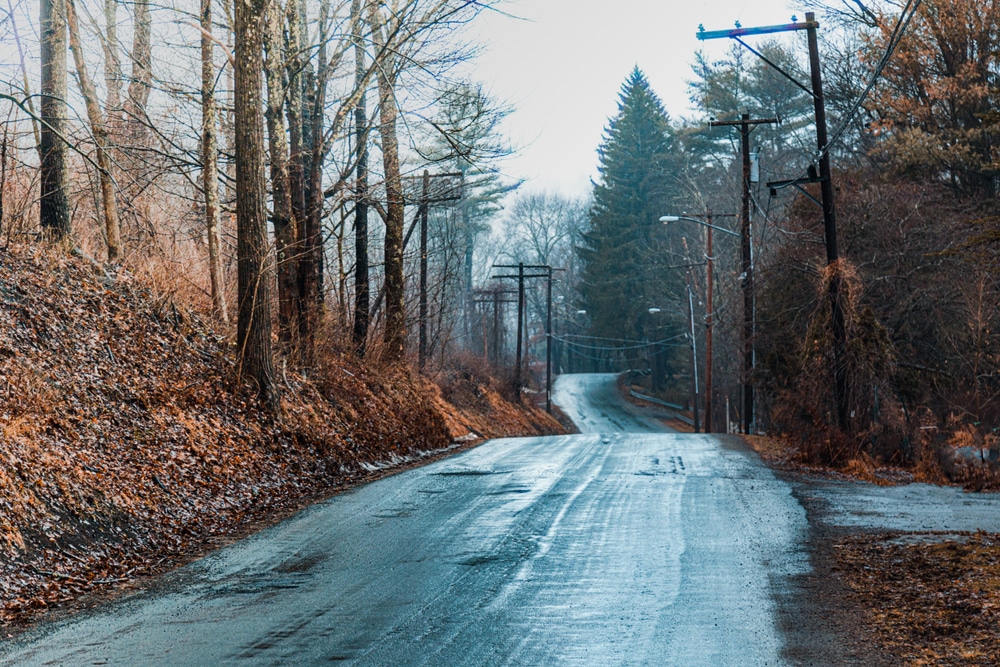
x: 548, y: 344
x: 709, y: 313
x: 746, y: 126
x: 710, y: 305
x: 694, y: 361
x: 829, y: 227
x: 496, y: 328
x: 521, y: 277
x: 520, y: 327
x: 491, y: 339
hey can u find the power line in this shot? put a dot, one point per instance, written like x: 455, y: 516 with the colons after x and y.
x: 894, y: 39
x: 613, y: 340
x: 637, y: 346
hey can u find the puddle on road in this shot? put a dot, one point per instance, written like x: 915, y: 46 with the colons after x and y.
x: 470, y: 473
x: 257, y: 583
x: 510, y: 488
x: 300, y: 564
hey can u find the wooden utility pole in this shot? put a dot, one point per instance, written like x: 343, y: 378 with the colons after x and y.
x: 710, y: 306
x: 491, y: 338
x: 709, y: 313
x: 746, y: 125
x: 520, y: 327
x: 829, y: 228
x: 548, y: 344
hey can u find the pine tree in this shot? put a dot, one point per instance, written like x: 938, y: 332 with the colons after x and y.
x: 626, y: 251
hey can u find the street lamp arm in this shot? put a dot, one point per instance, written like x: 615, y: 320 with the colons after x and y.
x: 667, y: 219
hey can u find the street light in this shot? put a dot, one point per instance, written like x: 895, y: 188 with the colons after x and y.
x: 710, y: 311
x: 694, y: 360
x: 667, y: 219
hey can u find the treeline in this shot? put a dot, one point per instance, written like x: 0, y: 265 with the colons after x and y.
x: 913, y: 110
x: 271, y: 163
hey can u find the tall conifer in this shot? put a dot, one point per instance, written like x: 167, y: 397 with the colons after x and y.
x: 626, y: 251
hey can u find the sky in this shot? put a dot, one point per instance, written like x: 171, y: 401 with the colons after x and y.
x: 562, y: 63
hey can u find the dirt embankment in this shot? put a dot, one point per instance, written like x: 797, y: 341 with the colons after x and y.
x: 125, y: 447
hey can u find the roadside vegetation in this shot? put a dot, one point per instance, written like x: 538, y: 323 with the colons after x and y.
x: 928, y: 599
x: 130, y: 446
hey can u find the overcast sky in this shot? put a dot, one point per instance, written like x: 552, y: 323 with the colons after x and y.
x: 562, y: 64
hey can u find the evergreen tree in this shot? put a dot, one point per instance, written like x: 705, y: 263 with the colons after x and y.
x: 626, y: 252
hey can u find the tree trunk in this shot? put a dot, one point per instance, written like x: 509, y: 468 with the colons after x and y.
x: 295, y: 13
x: 142, y: 73
x: 313, y: 297
x: 253, y: 331
x: 285, y: 227
x: 53, y: 201
x: 296, y: 63
x: 362, y: 294
x: 394, y: 334
x: 112, y: 64
x: 210, y: 161
x: 100, y: 131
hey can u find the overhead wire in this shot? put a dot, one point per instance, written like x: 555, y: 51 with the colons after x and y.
x: 894, y: 39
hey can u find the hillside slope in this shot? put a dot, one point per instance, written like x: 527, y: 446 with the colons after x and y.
x: 125, y: 446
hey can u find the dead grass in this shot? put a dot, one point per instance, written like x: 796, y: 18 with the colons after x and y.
x: 476, y: 404
x: 782, y: 453
x: 126, y: 445
x: 928, y: 604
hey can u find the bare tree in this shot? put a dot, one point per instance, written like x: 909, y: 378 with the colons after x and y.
x: 99, y: 130
x: 540, y: 226
x: 253, y: 330
x: 285, y: 224
x: 53, y: 201
x: 395, y: 312
x: 210, y: 161
x: 361, y: 289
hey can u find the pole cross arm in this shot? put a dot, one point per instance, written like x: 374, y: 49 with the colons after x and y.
x: 527, y: 266
x: 737, y: 123
x: 525, y: 276
x: 774, y: 186
x: 703, y: 34
x: 739, y: 32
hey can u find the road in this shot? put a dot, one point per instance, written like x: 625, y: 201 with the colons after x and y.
x: 622, y: 545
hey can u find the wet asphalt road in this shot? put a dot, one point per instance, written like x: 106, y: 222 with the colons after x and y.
x: 623, y: 545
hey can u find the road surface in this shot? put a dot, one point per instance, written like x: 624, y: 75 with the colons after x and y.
x: 622, y: 545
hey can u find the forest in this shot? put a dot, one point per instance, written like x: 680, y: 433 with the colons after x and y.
x: 318, y: 177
